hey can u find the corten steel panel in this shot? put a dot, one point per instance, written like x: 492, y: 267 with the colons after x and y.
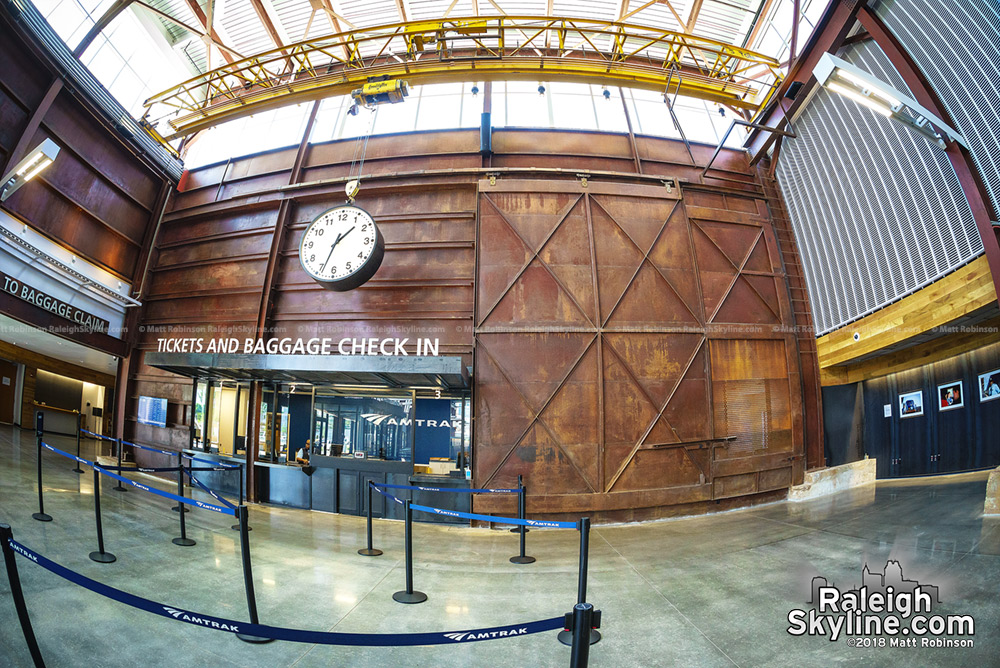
x: 13, y: 118
x: 73, y: 127
x: 22, y: 77
x: 599, y: 320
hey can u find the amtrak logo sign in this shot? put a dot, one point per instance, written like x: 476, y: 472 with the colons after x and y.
x: 191, y: 619
x: 382, y: 419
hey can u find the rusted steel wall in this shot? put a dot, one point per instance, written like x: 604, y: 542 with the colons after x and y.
x: 630, y: 356
x: 620, y: 331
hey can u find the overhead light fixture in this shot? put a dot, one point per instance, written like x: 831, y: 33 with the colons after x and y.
x: 29, y: 168
x: 854, y: 83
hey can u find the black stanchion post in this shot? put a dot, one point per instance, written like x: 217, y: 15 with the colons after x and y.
x: 370, y: 551
x: 236, y: 527
x: 183, y: 540
x: 179, y: 508
x: 100, y: 556
x: 76, y: 468
x: 583, y: 622
x: 408, y: 595
x: 119, y: 487
x: 521, y: 558
x: 41, y: 516
x: 566, y: 637
x: 6, y: 535
x: 243, y: 516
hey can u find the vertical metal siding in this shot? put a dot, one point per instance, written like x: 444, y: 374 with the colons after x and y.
x: 878, y: 210
x: 956, y: 45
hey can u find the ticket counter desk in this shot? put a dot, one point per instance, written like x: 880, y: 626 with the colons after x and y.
x: 340, y: 485
x: 227, y: 482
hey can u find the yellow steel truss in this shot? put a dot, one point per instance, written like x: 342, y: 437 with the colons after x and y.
x: 471, y: 49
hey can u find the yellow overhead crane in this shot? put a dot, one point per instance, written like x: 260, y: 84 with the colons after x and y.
x: 469, y: 49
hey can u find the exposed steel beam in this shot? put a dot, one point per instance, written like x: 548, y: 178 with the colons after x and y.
x: 110, y: 15
x: 693, y: 16
x: 828, y: 36
x: 265, y: 20
x: 209, y: 31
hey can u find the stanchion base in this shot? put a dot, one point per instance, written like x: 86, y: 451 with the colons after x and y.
x: 522, y: 560
x: 175, y: 509
x: 184, y: 542
x: 518, y: 530
x: 77, y: 470
x: 409, y: 597
x: 365, y: 552
x: 236, y: 527
x: 566, y: 637
x: 257, y: 640
x: 103, y: 557
x: 119, y: 488
x: 42, y: 517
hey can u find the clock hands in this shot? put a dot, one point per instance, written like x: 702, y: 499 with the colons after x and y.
x: 339, y: 238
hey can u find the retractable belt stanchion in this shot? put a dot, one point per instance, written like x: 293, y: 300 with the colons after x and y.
x: 408, y: 595
x: 567, y: 637
x: 582, y: 621
x: 39, y: 428
x: 520, y: 508
x: 6, y: 535
x: 183, y: 540
x: 119, y: 487
x: 236, y: 527
x: 100, y: 556
x: 179, y: 508
x: 76, y: 468
x: 521, y: 558
x: 243, y: 516
x: 370, y: 551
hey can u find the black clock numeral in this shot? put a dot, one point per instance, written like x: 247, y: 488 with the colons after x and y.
x: 319, y: 231
x: 348, y: 266
x: 364, y: 228
x: 312, y: 258
x: 333, y: 270
x: 309, y: 245
x: 342, y: 216
x: 368, y: 240
x: 361, y: 256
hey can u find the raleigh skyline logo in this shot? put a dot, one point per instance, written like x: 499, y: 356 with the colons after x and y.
x: 886, y: 604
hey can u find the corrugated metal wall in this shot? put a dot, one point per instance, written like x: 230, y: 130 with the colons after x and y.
x: 956, y: 44
x: 877, y: 209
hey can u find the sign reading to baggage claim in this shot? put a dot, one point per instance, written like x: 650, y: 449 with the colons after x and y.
x: 288, y: 346
x: 86, y: 321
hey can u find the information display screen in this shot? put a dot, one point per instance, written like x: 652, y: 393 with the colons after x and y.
x: 153, y: 411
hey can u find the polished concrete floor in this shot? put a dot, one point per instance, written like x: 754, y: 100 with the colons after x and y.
x: 704, y: 591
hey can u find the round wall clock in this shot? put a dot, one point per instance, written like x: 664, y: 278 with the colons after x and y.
x: 342, y: 248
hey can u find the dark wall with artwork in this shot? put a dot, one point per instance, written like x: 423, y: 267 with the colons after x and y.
x: 938, y: 441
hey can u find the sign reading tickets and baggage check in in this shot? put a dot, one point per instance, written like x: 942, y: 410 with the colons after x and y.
x: 32, y: 295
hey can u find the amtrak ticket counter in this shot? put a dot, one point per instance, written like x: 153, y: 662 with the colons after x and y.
x: 318, y: 441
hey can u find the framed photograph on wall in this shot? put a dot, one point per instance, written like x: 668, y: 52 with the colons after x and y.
x: 950, y: 396
x: 911, y: 404
x: 989, y: 385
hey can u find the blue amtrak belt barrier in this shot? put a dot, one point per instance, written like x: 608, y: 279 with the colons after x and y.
x: 290, y: 635
x: 459, y: 490
x: 67, y: 455
x: 167, y: 495
x: 208, y: 491
x: 542, y: 524
x: 100, y: 436
x: 386, y: 495
x: 150, y: 449
x: 218, y: 465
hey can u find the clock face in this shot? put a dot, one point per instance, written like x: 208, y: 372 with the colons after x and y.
x: 342, y: 248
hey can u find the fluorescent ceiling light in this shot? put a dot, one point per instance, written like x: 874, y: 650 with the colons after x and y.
x: 861, y: 99
x: 27, y: 169
x: 843, y: 78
